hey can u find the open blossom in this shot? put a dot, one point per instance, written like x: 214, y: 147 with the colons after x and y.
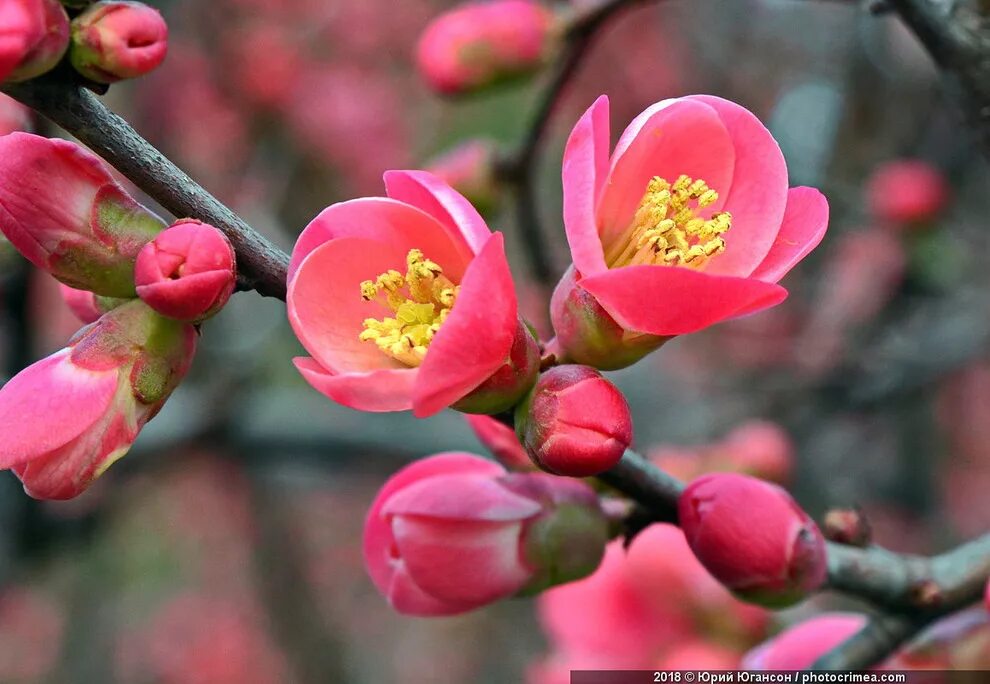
x: 479, y: 43
x: 454, y: 532
x: 753, y: 537
x: 34, y: 34
x: 61, y: 209
x: 187, y: 272
x: 117, y: 39
x: 406, y: 302
x: 69, y: 417
x: 688, y: 223
x: 800, y: 646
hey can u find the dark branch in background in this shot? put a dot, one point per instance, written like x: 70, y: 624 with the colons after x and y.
x: 957, y: 35
x: 519, y: 168
x: 261, y: 265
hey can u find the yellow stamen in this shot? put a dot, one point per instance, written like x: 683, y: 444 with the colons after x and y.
x: 667, y: 229
x: 420, y: 300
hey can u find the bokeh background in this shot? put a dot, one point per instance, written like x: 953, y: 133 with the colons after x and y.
x: 226, y: 547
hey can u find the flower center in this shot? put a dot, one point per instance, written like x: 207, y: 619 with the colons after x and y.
x: 421, y: 301
x: 667, y: 230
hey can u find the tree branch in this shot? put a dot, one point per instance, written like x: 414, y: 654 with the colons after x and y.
x: 957, y: 35
x: 261, y: 264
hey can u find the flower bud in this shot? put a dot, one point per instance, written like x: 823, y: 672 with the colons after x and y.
x: 481, y: 43
x: 469, y: 168
x: 847, y: 526
x: 587, y: 334
x: 61, y: 209
x: 68, y: 417
x: 117, y: 39
x: 501, y: 441
x: 87, y: 306
x: 34, y: 35
x: 454, y: 532
x: 798, y: 647
x: 753, y: 537
x: 187, y: 273
x: 575, y: 422
x: 906, y: 191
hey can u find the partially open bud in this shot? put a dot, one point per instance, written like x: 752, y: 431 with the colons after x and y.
x: 34, y: 35
x: 469, y: 168
x: 753, y: 537
x: 907, y: 192
x: 574, y: 422
x: 798, y: 647
x: 61, y: 209
x: 480, y: 43
x: 87, y: 306
x: 454, y: 532
x: 501, y: 441
x: 188, y: 272
x: 587, y: 334
x: 69, y: 417
x: 117, y: 39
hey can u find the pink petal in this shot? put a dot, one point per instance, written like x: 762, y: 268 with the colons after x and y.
x: 805, y: 221
x: 388, y: 221
x: 667, y: 300
x: 466, y: 497
x: 325, y: 307
x: 388, y: 576
x: 670, y: 138
x: 584, y: 171
x: 758, y: 193
x: 444, y: 558
x: 49, y: 404
x: 407, y: 598
x: 378, y: 391
x: 476, y: 337
x: 426, y: 191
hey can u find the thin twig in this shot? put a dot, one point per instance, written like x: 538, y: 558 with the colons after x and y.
x: 260, y: 263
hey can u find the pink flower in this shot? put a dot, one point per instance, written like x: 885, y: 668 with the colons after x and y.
x: 479, y: 43
x: 117, y: 39
x: 800, y: 646
x: 501, y: 441
x: 61, y: 209
x: 187, y: 272
x: 574, y: 422
x: 700, y: 655
x: 454, y: 532
x: 906, y: 192
x: 34, y: 35
x: 689, y: 223
x: 13, y: 116
x: 752, y: 537
x: 407, y: 302
x: 469, y: 168
x: 760, y: 448
x: 87, y: 306
x: 69, y: 417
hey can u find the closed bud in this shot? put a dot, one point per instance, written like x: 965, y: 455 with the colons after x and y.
x: 798, y: 647
x: 501, y: 441
x: 575, y: 422
x: 66, y: 214
x: 586, y: 333
x: 753, y: 537
x: 87, y: 306
x: 117, y: 39
x: 187, y: 272
x: 69, y: 417
x: 469, y: 168
x: 454, y: 532
x: 34, y: 35
x: 907, y: 192
x: 481, y: 43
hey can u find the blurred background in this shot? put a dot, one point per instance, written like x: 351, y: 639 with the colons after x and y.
x: 226, y: 547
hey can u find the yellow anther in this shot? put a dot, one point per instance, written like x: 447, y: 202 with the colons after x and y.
x: 668, y: 229
x: 420, y: 302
